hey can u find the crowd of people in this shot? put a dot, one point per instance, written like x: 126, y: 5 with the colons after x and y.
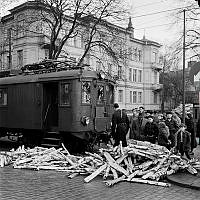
x: 166, y: 129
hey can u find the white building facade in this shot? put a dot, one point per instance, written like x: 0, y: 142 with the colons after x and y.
x: 137, y: 78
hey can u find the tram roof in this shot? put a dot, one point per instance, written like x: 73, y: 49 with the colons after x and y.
x: 52, y: 76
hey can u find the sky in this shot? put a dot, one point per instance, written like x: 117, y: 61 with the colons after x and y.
x: 158, y: 27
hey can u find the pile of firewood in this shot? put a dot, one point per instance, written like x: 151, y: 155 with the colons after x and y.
x: 140, y: 162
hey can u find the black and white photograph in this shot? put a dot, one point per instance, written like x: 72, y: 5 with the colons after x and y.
x: 99, y: 99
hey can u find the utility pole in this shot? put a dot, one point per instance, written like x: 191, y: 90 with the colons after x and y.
x: 183, y: 114
x: 9, y: 49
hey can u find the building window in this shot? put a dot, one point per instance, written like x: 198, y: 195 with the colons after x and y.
x: 65, y: 94
x: 3, y: 97
x: 46, y: 53
x: 135, y: 51
x: 139, y: 55
x: 109, y: 68
x: 130, y: 74
x: 140, y: 76
x: 120, y: 96
x: 131, y: 97
x: 130, y: 53
x: 20, y: 58
x: 139, y: 97
x: 120, y: 72
x: 134, y: 75
x: 8, y: 62
x: 134, y: 97
x: 155, y: 98
x: 98, y: 65
x: 75, y: 41
x: 154, y: 59
x: 155, y: 77
x: 86, y: 92
x: 70, y: 41
x: 82, y: 42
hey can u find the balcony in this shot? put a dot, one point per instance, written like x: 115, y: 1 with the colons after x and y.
x: 157, y: 87
x: 156, y: 66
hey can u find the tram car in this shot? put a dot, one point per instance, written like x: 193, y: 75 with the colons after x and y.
x: 47, y: 107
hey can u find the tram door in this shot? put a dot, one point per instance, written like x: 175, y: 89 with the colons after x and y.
x: 50, y: 105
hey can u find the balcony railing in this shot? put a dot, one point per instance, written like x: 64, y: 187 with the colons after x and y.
x: 156, y: 66
x: 157, y: 87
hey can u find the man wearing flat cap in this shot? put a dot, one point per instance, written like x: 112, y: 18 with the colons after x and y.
x: 120, y: 126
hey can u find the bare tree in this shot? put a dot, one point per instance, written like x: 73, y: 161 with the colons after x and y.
x: 89, y: 19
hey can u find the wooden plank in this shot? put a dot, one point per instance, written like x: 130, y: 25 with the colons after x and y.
x: 96, y: 173
x: 113, y: 164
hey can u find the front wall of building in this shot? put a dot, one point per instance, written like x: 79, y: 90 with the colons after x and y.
x: 136, y: 86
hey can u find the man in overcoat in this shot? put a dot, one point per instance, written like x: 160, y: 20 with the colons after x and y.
x: 120, y: 126
x: 138, y: 126
x: 173, y: 127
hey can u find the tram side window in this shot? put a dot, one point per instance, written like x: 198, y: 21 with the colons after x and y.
x: 65, y: 94
x: 3, y: 97
x: 100, y: 94
x: 109, y: 94
x: 86, y: 92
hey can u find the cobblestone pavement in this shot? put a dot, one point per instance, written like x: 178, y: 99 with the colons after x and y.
x: 17, y: 184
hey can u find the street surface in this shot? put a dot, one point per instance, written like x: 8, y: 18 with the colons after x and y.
x: 17, y: 184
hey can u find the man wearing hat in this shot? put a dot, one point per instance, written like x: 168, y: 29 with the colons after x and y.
x: 120, y: 126
x: 173, y: 127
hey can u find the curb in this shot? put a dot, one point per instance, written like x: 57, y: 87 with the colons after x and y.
x: 181, y: 184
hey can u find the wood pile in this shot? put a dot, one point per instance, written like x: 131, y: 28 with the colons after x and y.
x: 140, y: 162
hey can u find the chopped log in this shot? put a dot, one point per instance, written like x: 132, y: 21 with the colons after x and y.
x: 106, y: 172
x: 120, y: 159
x: 96, y: 173
x: 147, y: 175
x: 115, y: 175
x: 113, y: 164
x: 133, y: 174
x: 191, y: 170
x: 95, y: 155
x: 121, y: 148
x: 73, y: 175
x: 65, y: 149
x: 138, y: 180
x: 112, y: 182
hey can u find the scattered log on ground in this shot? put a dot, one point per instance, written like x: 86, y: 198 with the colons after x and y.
x: 140, y: 162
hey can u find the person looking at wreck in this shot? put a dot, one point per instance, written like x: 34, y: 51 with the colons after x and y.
x: 151, y: 130
x: 183, y: 141
x: 173, y: 127
x: 138, y: 125
x: 120, y: 126
x: 132, y: 119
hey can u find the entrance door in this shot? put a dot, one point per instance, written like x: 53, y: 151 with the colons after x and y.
x: 50, y: 105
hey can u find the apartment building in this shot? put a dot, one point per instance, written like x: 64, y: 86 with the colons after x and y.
x: 137, y: 77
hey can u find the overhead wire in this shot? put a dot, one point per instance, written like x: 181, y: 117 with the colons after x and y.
x: 154, y: 13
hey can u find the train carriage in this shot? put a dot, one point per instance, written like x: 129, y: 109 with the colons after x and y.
x: 73, y: 103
